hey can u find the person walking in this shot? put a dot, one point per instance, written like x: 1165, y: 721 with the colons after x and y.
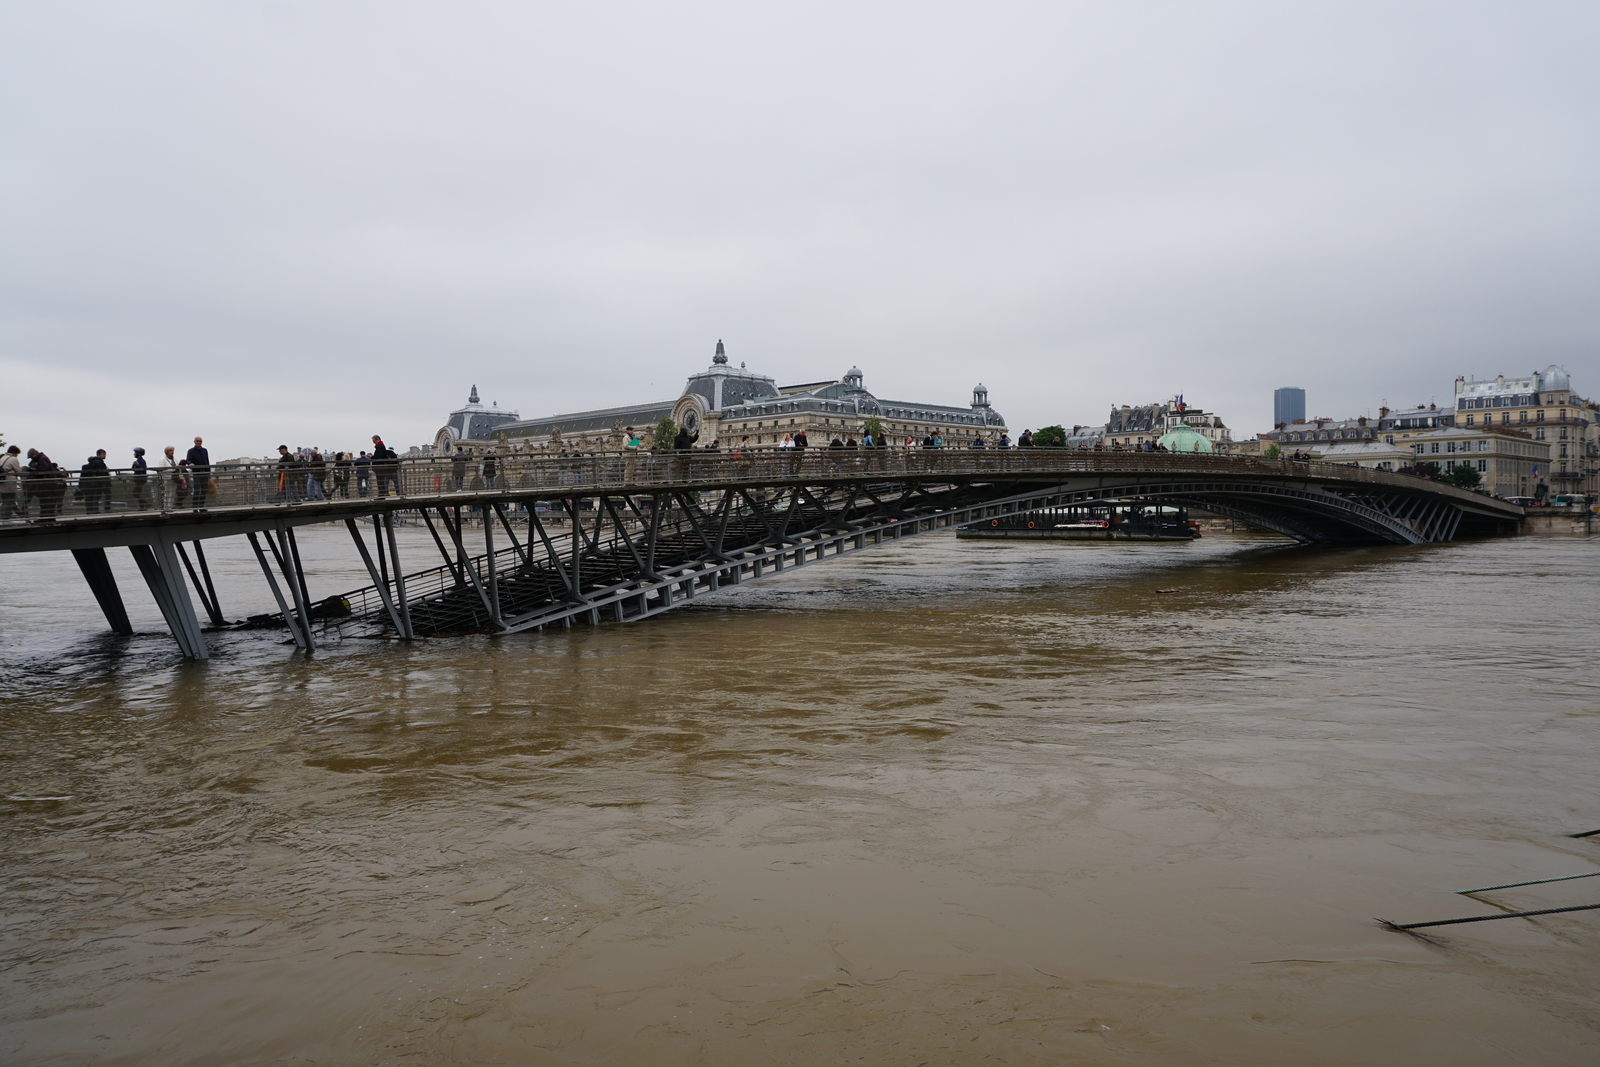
x: 362, y: 465
x: 458, y: 467
x: 198, y: 460
x: 140, y: 480
x: 10, y: 482
x: 94, y: 483
x: 491, y: 468
x: 386, y: 465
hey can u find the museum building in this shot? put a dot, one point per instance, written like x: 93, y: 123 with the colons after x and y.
x: 725, y: 403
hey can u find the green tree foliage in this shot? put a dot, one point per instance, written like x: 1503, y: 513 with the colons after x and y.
x: 1050, y: 437
x: 1464, y: 476
x: 665, y: 431
x: 1428, y: 469
x: 1272, y: 451
x: 874, y: 426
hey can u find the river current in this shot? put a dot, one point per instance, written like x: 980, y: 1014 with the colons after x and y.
x: 944, y: 802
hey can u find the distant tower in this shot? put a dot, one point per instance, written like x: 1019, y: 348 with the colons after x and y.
x: 722, y: 355
x: 980, y: 397
x: 1288, y: 405
x: 473, y: 399
x: 852, y: 377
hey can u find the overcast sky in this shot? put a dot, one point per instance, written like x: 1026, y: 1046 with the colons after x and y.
x: 303, y: 223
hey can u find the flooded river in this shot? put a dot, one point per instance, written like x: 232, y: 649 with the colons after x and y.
x: 940, y: 803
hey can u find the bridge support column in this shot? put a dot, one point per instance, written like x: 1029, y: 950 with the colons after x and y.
x: 206, y: 590
x: 301, y: 640
x: 159, y: 565
x: 407, y: 631
x: 380, y: 584
x: 492, y: 601
x: 103, y: 584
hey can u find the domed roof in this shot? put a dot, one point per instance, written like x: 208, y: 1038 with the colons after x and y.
x: 1555, y: 378
x: 1183, y: 438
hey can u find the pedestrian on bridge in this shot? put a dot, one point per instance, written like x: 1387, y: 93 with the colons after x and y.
x: 363, y: 468
x: 491, y: 469
x: 316, y: 475
x: 1026, y: 440
x: 174, y: 485
x: 386, y: 465
x: 47, y: 482
x: 94, y: 484
x: 341, y: 475
x: 631, y: 446
x: 458, y: 467
x: 140, y: 480
x: 288, y: 485
x: 10, y: 481
x: 198, y: 460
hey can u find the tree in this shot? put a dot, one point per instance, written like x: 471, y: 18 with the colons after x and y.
x: 874, y: 427
x: 666, y: 430
x: 1427, y: 469
x: 1464, y: 476
x: 1272, y: 451
x: 1050, y: 437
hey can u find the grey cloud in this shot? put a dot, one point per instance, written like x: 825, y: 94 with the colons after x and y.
x: 310, y: 221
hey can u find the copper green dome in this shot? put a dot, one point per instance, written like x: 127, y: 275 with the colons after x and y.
x: 1183, y: 438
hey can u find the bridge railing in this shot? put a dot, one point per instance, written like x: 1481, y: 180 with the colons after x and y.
x: 75, y: 494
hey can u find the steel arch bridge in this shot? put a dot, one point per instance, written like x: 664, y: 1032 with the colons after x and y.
x: 621, y: 538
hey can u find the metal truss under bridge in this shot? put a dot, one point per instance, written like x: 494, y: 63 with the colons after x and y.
x: 617, y: 537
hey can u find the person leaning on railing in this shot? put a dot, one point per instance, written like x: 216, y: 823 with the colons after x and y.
x: 46, y: 482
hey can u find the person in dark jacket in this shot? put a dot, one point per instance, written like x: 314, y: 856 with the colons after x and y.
x: 94, y: 484
x: 363, y: 469
x: 198, y: 460
x: 1026, y: 440
x: 491, y: 467
x: 47, y: 482
x: 288, y: 477
x: 458, y: 467
x: 386, y: 465
x: 140, y: 481
x: 341, y: 475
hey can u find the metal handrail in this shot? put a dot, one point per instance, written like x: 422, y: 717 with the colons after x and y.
x: 227, y: 486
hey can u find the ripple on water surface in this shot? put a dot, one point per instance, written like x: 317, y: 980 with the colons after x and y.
x: 945, y: 803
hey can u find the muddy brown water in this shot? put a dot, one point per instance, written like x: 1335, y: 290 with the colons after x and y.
x: 940, y: 803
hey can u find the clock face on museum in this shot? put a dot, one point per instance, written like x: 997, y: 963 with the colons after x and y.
x: 691, y: 420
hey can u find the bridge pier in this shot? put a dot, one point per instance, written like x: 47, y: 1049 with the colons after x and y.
x: 159, y: 565
x: 103, y: 584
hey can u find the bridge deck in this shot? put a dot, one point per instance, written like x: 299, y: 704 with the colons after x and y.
x: 644, y: 533
x: 257, y: 498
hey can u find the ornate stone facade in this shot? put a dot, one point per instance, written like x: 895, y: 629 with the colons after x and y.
x: 725, y: 403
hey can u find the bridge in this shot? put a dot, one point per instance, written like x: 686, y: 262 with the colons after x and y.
x: 621, y: 537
